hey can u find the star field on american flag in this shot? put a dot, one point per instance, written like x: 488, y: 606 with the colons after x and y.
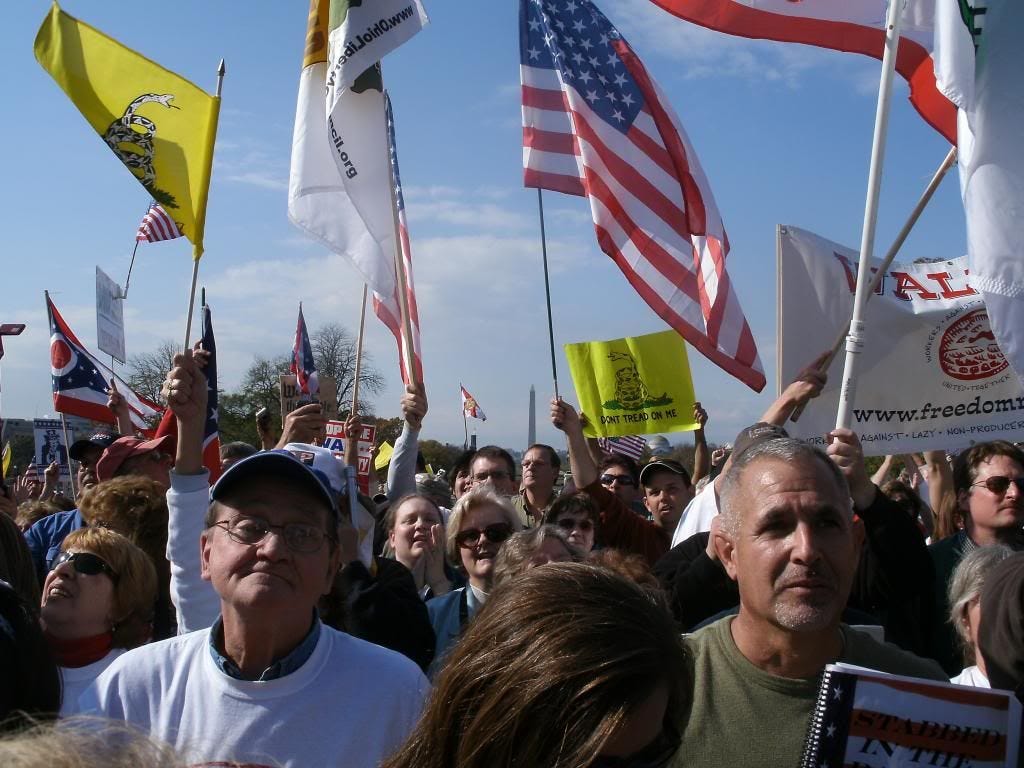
x: 580, y: 41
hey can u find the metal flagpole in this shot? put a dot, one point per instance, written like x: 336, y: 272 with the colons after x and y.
x: 890, y: 256
x: 128, y: 279
x: 359, y: 352
x: 465, y: 428
x: 195, y: 261
x: 855, y: 339
x: 67, y: 447
x: 547, y: 290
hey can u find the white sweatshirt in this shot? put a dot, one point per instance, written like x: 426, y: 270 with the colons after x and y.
x: 74, y: 680
x: 351, y: 704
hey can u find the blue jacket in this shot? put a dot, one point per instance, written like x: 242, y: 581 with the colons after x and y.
x: 448, y: 615
x: 45, y: 537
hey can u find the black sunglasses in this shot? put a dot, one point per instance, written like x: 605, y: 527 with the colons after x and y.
x: 620, y: 479
x: 85, y: 563
x: 495, y: 534
x: 1000, y: 484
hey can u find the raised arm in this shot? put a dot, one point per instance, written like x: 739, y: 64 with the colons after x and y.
x: 119, y: 407
x: 565, y: 418
x: 402, y: 469
x: 701, y: 455
x: 806, y: 386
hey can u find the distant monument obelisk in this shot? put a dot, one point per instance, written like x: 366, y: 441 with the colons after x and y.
x: 531, y: 432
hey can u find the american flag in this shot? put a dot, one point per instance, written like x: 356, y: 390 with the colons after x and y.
x: 211, y: 433
x: 632, y: 446
x: 157, y: 225
x: 80, y: 380
x: 596, y: 125
x: 386, y: 308
x: 302, y: 359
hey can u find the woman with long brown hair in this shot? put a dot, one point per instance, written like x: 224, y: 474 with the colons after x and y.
x: 569, y: 665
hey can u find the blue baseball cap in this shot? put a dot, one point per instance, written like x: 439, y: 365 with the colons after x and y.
x: 278, y: 465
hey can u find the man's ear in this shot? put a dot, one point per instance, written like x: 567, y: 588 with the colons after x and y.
x: 204, y: 555
x: 726, y: 549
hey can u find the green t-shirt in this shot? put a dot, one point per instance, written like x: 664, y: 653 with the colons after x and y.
x: 743, y: 717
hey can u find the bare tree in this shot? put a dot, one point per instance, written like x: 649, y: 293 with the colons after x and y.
x: 146, y: 372
x: 334, y: 352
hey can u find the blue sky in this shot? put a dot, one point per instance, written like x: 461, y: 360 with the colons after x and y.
x: 783, y: 133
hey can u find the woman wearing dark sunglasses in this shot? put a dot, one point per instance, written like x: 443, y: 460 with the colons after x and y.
x: 600, y: 679
x: 479, y: 523
x: 97, y: 603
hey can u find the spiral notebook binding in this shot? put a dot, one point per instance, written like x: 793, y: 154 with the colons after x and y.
x: 816, y: 723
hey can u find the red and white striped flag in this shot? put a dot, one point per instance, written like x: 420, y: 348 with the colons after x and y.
x: 386, y: 307
x: 157, y: 225
x: 855, y: 26
x: 596, y: 125
x: 632, y: 446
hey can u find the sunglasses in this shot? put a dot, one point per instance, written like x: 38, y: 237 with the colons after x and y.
x: 85, y: 563
x: 620, y: 479
x: 657, y: 754
x: 495, y: 534
x: 568, y: 524
x: 1000, y: 484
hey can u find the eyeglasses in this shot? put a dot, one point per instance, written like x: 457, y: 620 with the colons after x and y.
x: 620, y: 479
x: 657, y: 754
x: 494, y: 474
x: 569, y: 524
x: 1000, y: 484
x: 495, y: 534
x: 299, y: 537
x: 85, y: 563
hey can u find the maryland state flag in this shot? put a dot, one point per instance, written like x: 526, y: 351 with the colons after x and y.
x: 161, y: 126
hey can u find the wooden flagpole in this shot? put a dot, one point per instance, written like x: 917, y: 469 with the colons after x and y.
x: 195, y: 261
x: 359, y: 353
x: 547, y: 291
x: 855, y: 339
x: 890, y: 256
x: 67, y: 449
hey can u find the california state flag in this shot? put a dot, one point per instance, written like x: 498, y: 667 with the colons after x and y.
x: 980, y: 66
x: 855, y: 26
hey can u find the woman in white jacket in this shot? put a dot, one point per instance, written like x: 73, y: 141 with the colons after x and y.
x: 97, y: 603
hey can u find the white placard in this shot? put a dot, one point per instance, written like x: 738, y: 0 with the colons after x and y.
x: 109, y: 316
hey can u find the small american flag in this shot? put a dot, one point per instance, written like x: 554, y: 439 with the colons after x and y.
x: 302, y: 359
x: 632, y: 446
x: 157, y: 225
x: 596, y: 125
x: 386, y: 307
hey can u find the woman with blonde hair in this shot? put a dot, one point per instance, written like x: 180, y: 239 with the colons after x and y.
x: 530, y: 548
x: 97, y: 603
x: 479, y: 523
x: 568, y: 666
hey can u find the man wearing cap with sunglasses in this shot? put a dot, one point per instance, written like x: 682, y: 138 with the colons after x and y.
x: 988, y: 479
x: 267, y: 684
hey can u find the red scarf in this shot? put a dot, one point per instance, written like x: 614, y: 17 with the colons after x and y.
x: 81, y: 651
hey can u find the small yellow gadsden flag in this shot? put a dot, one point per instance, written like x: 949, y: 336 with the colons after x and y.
x: 634, y: 386
x: 161, y: 126
x: 5, y: 460
x: 384, y: 454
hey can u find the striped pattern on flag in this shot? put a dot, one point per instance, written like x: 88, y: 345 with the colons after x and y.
x: 632, y: 446
x: 595, y: 124
x: 386, y: 307
x: 156, y: 226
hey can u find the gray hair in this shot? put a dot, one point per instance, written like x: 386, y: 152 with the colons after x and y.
x: 513, y: 559
x: 965, y: 587
x: 787, y: 450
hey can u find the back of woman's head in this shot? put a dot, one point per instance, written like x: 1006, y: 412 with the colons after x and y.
x: 84, y: 742
x: 16, y: 566
x: 29, y: 679
x: 551, y: 666
x: 522, y: 551
x: 134, y: 588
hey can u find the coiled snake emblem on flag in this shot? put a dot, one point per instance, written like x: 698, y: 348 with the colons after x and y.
x: 131, y: 138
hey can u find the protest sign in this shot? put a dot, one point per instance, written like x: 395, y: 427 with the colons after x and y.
x: 50, y: 447
x: 292, y: 398
x: 876, y: 720
x: 930, y: 375
x: 364, y: 449
x: 109, y: 317
x: 638, y: 385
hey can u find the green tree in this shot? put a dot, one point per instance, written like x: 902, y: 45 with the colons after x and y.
x: 439, y: 455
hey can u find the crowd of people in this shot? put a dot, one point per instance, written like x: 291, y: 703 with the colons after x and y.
x: 606, y: 613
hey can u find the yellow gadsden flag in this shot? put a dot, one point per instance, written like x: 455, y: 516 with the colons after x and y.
x: 633, y: 386
x: 161, y: 126
x: 5, y: 460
